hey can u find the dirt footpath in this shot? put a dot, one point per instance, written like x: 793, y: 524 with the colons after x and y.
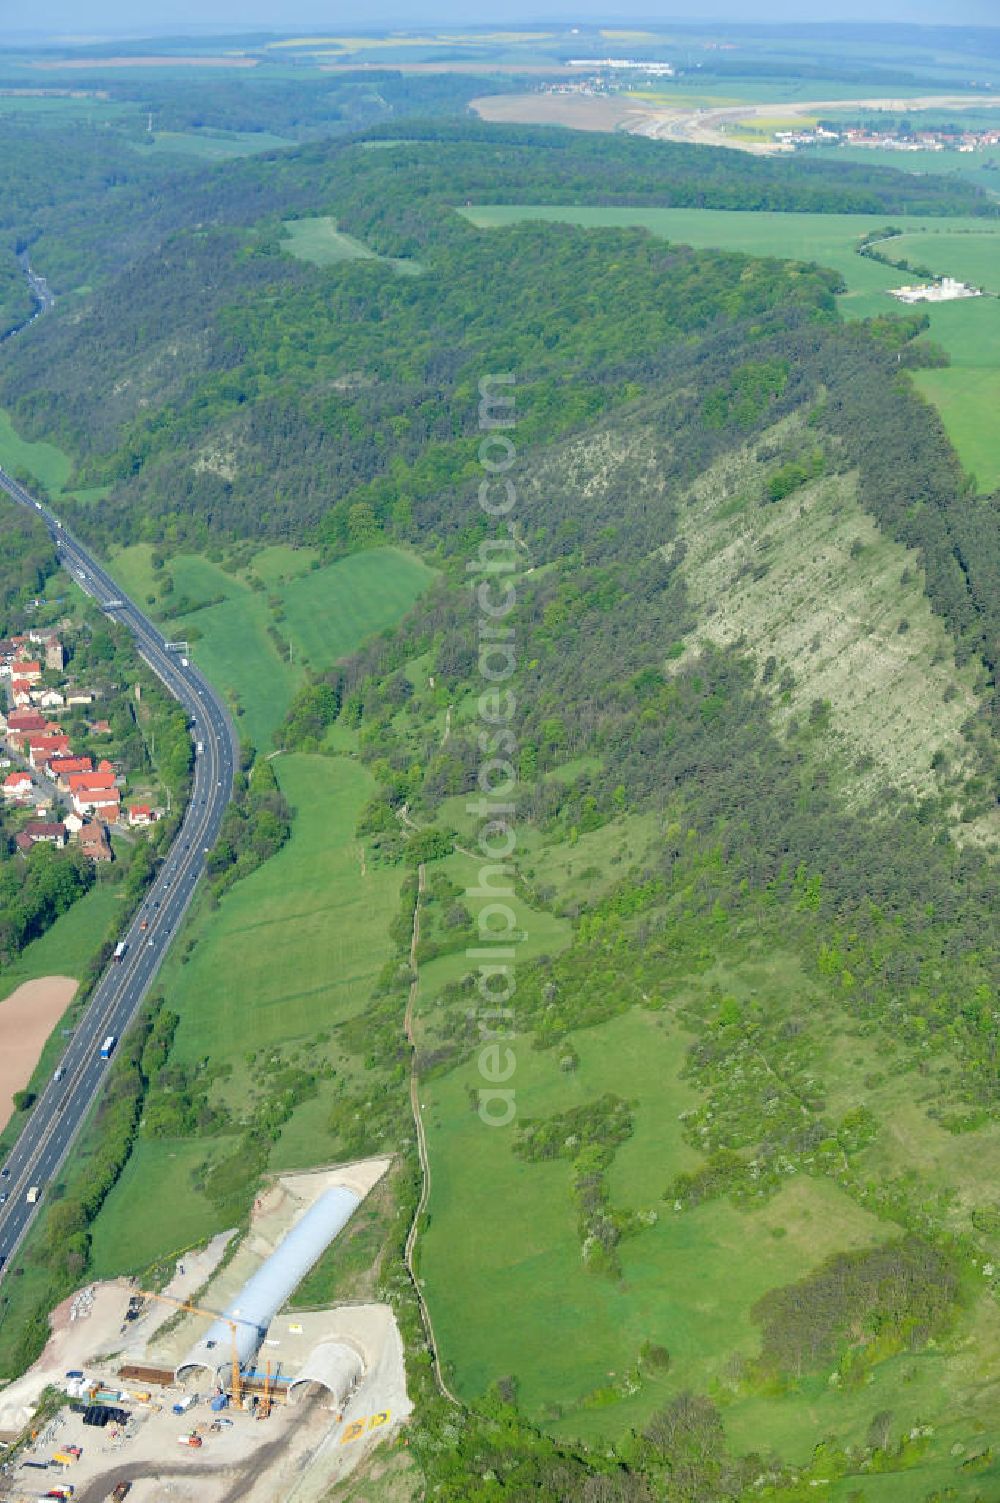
x: 27, y: 1017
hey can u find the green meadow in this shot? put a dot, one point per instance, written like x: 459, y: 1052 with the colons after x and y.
x: 63, y: 108
x: 981, y: 167
x: 257, y: 644
x: 968, y: 399
x: 294, y: 948
x: 154, y: 1210
x: 965, y: 395
x: 319, y: 241
x: 42, y: 461
x: 211, y: 146
x: 501, y: 1255
x: 501, y: 1264
x: 829, y: 239
x: 970, y: 255
x: 66, y: 948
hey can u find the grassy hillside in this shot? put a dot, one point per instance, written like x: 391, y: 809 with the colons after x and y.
x: 306, y: 936
x: 257, y: 631
x: 732, y: 973
x: 737, y: 1238
x: 41, y: 461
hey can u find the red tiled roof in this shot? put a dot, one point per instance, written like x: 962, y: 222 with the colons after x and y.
x: 80, y: 782
x: 70, y: 764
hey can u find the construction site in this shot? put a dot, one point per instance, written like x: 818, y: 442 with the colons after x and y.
x: 210, y: 1388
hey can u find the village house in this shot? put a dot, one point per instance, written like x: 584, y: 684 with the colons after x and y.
x: 43, y: 745
x: 25, y: 720
x: 48, y: 699
x: 17, y: 786
x: 27, y: 668
x: 61, y: 767
x: 94, y: 843
x: 100, y: 796
x: 44, y: 833
x: 140, y: 815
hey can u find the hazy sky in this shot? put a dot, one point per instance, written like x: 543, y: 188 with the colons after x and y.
x: 80, y: 16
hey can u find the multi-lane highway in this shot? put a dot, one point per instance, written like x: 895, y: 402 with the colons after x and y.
x: 63, y: 1106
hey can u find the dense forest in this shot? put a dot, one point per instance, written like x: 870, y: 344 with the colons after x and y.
x: 27, y: 559
x: 209, y: 415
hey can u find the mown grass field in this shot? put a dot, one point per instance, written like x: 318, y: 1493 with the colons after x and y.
x: 292, y: 950
x: 303, y: 937
x: 965, y: 395
x: 322, y: 614
x: 295, y: 947
x: 212, y: 146
x: 319, y: 241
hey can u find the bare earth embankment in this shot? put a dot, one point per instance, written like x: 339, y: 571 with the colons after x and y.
x: 706, y: 126
x: 27, y: 1017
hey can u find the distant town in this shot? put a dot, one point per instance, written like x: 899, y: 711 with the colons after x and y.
x: 891, y: 139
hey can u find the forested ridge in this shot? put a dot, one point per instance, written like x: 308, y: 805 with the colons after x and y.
x: 328, y: 390
x: 226, y: 392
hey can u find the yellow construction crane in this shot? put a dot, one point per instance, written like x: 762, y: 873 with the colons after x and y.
x: 168, y: 1299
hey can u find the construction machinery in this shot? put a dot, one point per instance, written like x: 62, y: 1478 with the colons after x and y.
x: 237, y: 1386
x: 264, y: 1408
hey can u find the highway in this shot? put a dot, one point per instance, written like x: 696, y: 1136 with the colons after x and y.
x: 64, y: 1105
